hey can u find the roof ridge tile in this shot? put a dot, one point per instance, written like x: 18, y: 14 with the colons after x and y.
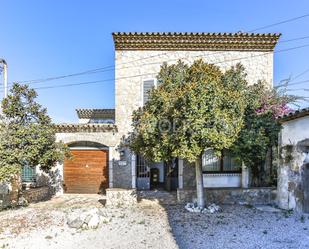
x: 185, y: 40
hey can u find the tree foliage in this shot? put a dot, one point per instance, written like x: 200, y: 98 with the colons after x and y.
x: 261, y: 129
x: 27, y: 135
x: 193, y: 107
x: 199, y: 106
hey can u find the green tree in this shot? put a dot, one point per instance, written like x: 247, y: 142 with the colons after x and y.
x: 261, y: 129
x: 27, y: 135
x: 194, y: 107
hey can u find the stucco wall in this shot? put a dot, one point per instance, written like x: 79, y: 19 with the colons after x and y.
x: 106, y: 138
x: 295, y: 130
x: 290, y: 192
x: 210, y: 180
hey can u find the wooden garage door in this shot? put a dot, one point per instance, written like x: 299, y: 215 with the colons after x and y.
x: 86, y: 172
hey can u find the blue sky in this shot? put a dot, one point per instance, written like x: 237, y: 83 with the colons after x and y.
x: 41, y: 39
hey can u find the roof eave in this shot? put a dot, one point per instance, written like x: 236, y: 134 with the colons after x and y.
x: 294, y: 115
x: 72, y: 128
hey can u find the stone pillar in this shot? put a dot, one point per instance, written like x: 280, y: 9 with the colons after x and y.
x: 283, y: 187
x: 180, y: 173
x: 245, y: 175
x: 116, y: 198
x: 133, y: 168
x: 110, y: 167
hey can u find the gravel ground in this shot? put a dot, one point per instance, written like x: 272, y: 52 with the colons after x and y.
x: 239, y: 227
x: 151, y: 225
x: 44, y: 225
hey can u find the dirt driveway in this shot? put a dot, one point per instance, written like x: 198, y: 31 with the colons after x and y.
x: 43, y: 225
x: 151, y: 225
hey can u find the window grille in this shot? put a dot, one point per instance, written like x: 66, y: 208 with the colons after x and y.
x: 142, y: 167
x: 28, y: 174
x: 225, y: 163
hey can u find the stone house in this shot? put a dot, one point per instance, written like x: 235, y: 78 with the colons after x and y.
x: 293, y: 172
x: 99, y: 162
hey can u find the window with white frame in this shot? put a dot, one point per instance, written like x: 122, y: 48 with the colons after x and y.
x: 147, y: 86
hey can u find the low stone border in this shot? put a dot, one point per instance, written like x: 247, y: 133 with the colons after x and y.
x: 13, y: 197
x: 252, y: 196
x: 37, y: 194
x: 117, y: 197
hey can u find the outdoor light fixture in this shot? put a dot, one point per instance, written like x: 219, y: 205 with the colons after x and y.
x: 122, y: 154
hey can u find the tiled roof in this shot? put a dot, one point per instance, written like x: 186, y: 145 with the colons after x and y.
x: 294, y: 115
x: 96, y: 113
x: 195, y: 41
x: 86, y: 128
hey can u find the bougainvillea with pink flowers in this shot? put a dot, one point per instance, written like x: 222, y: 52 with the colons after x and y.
x: 274, y: 101
x: 261, y: 128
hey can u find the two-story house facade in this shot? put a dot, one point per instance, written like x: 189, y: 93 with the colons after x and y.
x: 99, y: 162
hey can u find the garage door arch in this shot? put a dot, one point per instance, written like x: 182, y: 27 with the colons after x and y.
x: 85, y: 144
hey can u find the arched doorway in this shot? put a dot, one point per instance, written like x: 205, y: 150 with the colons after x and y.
x: 87, y: 171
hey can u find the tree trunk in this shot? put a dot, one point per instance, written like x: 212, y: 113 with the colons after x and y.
x: 199, y: 183
x: 167, y: 179
x: 271, y: 158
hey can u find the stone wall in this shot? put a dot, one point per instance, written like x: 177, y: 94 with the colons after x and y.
x: 12, y: 196
x: 291, y: 167
x: 37, y: 194
x: 250, y: 196
x: 116, y: 197
x: 133, y: 67
x: 130, y: 75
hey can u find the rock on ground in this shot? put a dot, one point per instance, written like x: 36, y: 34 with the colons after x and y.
x: 211, y: 209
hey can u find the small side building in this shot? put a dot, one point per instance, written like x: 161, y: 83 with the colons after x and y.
x: 293, y: 171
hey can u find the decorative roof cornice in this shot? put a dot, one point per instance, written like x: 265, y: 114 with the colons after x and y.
x: 294, y: 115
x: 195, y: 41
x: 70, y: 128
x: 96, y: 113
